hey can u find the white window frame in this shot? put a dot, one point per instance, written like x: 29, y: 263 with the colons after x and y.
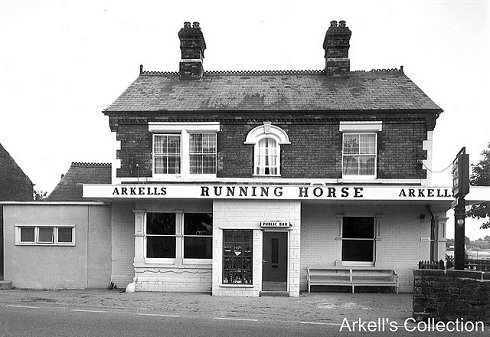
x: 357, y: 128
x: 374, y: 239
x: 215, y: 153
x: 36, y: 241
x: 267, y: 130
x: 154, y: 156
x: 183, y: 129
x: 179, y: 242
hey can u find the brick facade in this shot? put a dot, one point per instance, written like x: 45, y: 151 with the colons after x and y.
x: 315, y: 150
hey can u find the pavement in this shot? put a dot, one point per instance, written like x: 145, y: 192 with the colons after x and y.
x: 320, y: 307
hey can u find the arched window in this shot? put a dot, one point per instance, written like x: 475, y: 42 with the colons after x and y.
x: 267, y: 157
x: 267, y: 139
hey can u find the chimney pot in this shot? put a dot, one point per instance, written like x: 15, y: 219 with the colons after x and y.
x: 192, y: 46
x: 336, y: 45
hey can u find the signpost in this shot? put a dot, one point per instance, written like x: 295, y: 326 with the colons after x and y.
x: 461, y: 187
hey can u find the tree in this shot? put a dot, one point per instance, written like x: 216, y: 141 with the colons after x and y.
x: 480, y: 176
x: 39, y: 195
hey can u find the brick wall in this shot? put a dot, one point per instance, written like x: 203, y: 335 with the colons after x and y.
x: 315, y: 150
x: 402, y: 240
x: 451, y: 295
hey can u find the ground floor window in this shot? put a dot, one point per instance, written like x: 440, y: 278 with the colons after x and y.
x: 45, y: 235
x: 198, y: 235
x: 237, y: 256
x: 358, y: 239
x: 160, y: 235
x: 179, y: 235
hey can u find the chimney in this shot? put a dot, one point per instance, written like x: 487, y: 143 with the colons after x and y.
x: 336, y: 45
x: 192, y: 48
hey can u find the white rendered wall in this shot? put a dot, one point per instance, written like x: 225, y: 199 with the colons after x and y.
x: 403, y: 237
x: 180, y: 276
x: 122, y: 244
x: 243, y: 215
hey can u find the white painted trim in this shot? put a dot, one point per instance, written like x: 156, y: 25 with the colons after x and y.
x: 357, y: 178
x: 372, y: 126
x: 267, y: 131
x: 427, y: 146
x: 180, y: 126
x: 36, y: 242
x: 116, y: 163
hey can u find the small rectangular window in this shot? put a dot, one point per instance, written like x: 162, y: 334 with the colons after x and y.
x: 65, y: 234
x: 27, y: 234
x: 45, y: 235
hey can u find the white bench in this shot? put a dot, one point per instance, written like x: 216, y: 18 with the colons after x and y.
x: 351, y: 276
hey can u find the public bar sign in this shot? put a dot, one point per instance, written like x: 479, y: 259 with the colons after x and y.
x: 275, y: 224
x: 460, y: 174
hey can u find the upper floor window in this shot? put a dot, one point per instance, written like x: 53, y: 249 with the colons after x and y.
x: 202, y: 152
x: 166, y: 154
x: 359, y: 149
x: 184, y: 149
x: 266, y: 157
x: 267, y: 139
x: 359, y: 154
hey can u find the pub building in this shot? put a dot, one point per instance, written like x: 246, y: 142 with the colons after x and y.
x: 234, y: 182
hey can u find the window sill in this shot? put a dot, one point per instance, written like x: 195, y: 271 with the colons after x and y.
x: 178, y: 177
x: 359, y: 178
x: 236, y: 285
x: 172, y: 265
x: 45, y: 244
x: 266, y: 175
x: 357, y: 264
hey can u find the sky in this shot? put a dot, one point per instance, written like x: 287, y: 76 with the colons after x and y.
x: 63, y: 62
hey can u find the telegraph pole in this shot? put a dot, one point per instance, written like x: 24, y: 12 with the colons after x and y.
x: 461, y: 187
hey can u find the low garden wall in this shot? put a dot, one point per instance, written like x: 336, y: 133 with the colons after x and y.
x: 447, y: 295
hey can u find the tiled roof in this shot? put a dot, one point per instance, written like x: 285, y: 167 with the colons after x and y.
x: 70, y: 187
x: 273, y: 91
x: 15, y: 185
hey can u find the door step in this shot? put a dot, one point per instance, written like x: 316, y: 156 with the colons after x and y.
x: 274, y: 293
x: 4, y: 285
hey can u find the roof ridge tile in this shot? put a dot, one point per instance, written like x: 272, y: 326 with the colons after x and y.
x: 78, y: 163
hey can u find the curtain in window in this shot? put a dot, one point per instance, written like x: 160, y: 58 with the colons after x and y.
x: 166, y: 149
x: 359, y: 154
x: 267, y: 157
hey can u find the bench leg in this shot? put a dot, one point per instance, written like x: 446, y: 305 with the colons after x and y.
x: 352, y: 288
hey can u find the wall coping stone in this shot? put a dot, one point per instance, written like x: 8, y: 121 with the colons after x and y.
x: 470, y: 274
